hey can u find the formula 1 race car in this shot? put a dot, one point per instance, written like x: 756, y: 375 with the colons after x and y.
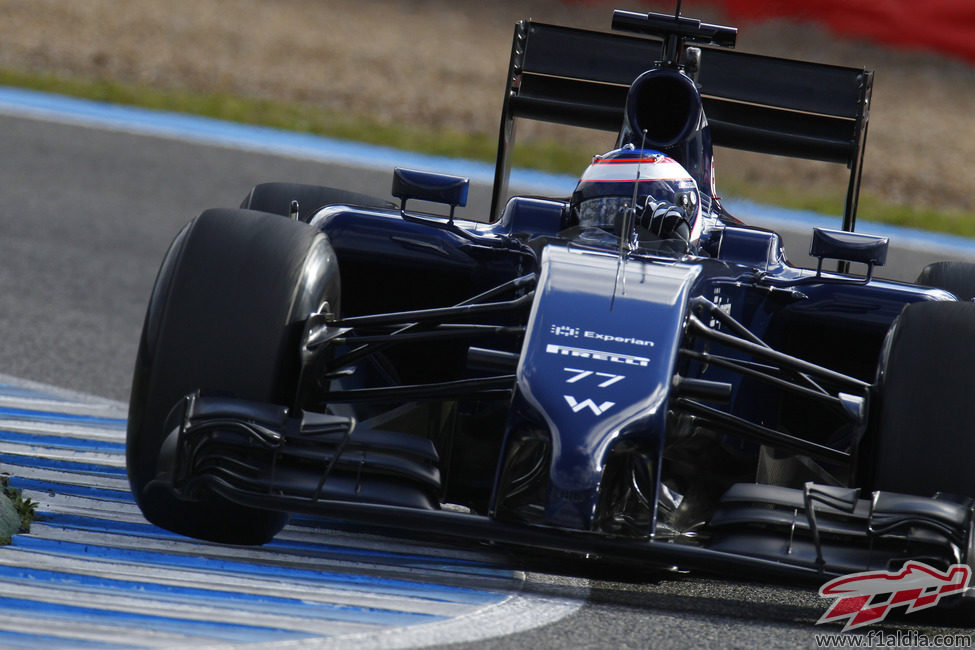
x: 628, y: 374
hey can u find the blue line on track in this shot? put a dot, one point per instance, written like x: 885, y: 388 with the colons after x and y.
x: 289, y: 143
x: 70, y: 418
x: 333, y: 579
x: 102, y: 494
x: 774, y: 217
x: 92, y: 469
x: 268, y: 140
x: 278, y: 141
x: 61, y: 442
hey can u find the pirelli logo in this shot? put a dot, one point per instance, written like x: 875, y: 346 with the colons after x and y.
x: 598, y: 355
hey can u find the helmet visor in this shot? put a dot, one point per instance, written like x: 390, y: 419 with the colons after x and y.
x: 603, y: 211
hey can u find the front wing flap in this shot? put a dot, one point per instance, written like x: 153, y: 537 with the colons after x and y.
x: 758, y: 532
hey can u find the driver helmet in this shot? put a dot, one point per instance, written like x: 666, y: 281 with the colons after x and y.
x: 606, y: 190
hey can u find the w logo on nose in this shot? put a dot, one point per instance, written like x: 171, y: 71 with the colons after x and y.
x: 588, y: 403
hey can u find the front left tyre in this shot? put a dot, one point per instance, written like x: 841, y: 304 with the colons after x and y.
x: 226, y: 315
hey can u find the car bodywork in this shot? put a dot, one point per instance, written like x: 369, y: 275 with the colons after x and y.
x: 707, y: 406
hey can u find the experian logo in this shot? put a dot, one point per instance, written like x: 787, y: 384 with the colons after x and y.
x: 573, y: 332
x: 598, y: 355
x: 616, y: 339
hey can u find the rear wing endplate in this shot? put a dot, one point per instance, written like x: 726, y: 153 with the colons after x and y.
x: 752, y: 102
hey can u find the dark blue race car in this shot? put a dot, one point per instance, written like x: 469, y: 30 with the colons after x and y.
x: 630, y: 374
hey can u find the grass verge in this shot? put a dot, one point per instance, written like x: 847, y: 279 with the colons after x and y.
x: 545, y: 155
x: 23, y: 507
x: 869, y: 208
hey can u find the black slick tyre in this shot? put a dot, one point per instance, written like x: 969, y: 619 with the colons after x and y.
x: 925, y: 439
x: 276, y: 198
x: 953, y: 276
x: 225, y: 315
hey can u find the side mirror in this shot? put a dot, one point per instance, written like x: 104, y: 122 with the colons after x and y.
x: 430, y: 186
x: 849, y: 247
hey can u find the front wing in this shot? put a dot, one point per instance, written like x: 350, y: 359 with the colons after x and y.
x: 757, y: 532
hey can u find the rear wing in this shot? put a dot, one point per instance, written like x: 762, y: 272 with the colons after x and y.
x: 756, y: 103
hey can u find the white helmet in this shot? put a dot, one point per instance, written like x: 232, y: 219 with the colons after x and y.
x: 668, y: 203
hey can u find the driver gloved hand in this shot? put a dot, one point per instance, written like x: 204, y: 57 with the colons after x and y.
x: 665, y: 220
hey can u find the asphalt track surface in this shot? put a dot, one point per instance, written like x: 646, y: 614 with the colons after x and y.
x: 86, y: 215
